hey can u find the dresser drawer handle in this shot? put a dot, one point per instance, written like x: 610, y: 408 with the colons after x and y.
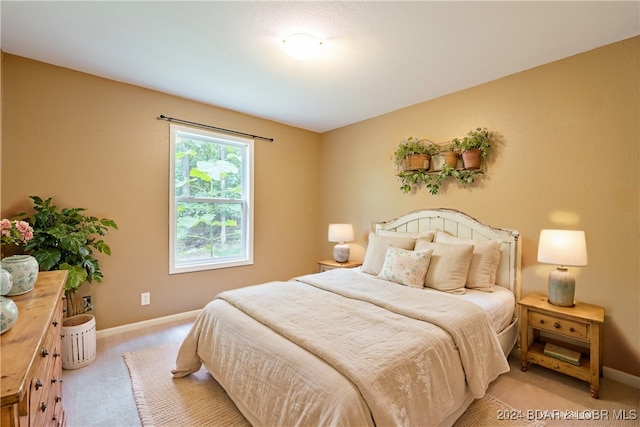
x: 58, y: 399
x: 55, y: 323
x: 54, y: 380
x: 556, y: 325
x: 38, y: 383
x: 44, y: 352
x: 43, y: 406
x: 55, y: 355
x: 571, y: 329
x: 542, y: 321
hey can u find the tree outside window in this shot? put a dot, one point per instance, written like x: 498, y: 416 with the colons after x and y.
x: 211, y: 200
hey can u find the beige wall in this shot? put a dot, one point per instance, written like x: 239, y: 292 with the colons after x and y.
x: 95, y: 143
x: 568, y: 157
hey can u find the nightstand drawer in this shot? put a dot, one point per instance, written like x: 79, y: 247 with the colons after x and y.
x: 568, y: 328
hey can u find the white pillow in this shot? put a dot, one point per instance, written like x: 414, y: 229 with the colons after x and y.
x: 429, y: 235
x: 484, y: 262
x: 449, y: 265
x: 405, y: 267
x: 377, y: 249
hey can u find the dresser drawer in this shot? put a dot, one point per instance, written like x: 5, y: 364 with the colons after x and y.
x: 41, y: 385
x: 566, y: 327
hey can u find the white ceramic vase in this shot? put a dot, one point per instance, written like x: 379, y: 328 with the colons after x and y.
x: 8, y: 314
x: 24, y: 271
x: 6, y: 282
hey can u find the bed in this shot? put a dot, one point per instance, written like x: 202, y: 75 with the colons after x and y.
x: 396, y: 341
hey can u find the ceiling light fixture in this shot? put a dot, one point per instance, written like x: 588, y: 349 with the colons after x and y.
x: 302, y: 46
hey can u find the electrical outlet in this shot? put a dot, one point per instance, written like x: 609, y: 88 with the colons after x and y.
x: 86, y: 303
x: 145, y: 298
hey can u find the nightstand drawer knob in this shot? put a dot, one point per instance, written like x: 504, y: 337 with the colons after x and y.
x: 556, y: 325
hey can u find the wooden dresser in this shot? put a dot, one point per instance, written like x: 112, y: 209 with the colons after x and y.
x: 31, y: 364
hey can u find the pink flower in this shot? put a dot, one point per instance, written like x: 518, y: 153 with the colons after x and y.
x: 15, y: 232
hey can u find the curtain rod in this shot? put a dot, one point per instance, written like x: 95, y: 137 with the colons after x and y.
x: 172, y: 119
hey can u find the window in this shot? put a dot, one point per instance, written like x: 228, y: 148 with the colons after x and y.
x: 211, y: 200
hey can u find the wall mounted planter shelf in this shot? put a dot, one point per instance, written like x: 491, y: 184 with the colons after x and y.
x: 436, y: 169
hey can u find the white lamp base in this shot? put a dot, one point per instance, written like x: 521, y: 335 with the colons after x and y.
x: 341, y: 252
x: 562, y: 287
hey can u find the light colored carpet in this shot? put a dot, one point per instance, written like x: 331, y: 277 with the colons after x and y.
x: 198, y: 400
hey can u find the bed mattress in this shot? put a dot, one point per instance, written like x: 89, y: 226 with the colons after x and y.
x: 345, y: 348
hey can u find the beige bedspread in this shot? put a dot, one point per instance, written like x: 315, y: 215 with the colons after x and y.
x: 372, y: 349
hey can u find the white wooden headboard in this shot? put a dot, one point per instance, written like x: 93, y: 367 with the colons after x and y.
x: 461, y: 225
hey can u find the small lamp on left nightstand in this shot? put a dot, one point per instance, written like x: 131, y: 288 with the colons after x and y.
x: 341, y: 233
x: 563, y: 248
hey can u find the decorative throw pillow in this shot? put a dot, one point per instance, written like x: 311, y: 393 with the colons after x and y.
x: 484, y: 262
x: 405, y: 267
x: 377, y: 249
x: 449, y: 265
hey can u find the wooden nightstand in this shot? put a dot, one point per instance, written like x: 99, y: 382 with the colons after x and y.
x: 331, y: 264
x: 582, y: 323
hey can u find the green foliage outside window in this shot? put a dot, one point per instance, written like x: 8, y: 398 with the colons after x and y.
x: 209, y: 192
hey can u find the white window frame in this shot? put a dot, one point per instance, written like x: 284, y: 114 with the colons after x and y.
x: 247, y: 201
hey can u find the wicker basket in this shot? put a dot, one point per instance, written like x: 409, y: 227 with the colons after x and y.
x: 416, y: 161
x: 78, y: 341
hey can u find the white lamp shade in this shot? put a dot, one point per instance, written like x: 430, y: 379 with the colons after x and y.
x: 562, y: 247
x: 340, y: 232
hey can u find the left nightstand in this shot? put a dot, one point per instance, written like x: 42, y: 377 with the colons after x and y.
x: 582, y: 322
x: 331, y: 264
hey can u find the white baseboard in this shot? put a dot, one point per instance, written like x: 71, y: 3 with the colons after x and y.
x: 146, y: 323
x: 621, y: 377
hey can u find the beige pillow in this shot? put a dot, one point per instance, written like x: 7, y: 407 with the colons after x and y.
x: 449, y: 265
x: 429, y: 235
x: 484, y: 262
x: 405, y: 267
x: 377, y: 250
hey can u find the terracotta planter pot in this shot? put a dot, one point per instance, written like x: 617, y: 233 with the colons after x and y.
x: 451, y: 158
x: 416, y: 161
x: 471, y: 159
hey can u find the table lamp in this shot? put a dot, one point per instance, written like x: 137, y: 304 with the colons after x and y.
x: 563, y: 248
x: 341, y: 233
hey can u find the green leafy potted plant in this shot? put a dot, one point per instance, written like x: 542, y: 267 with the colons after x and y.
x: 474, y: 147
x: 432, y: 180
x: 66, y: 239
x: 447, y: 154
x: 414, y: 154
x: 465, y: 176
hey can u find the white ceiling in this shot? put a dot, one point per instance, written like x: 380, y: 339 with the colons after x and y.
x: 377, y: 56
